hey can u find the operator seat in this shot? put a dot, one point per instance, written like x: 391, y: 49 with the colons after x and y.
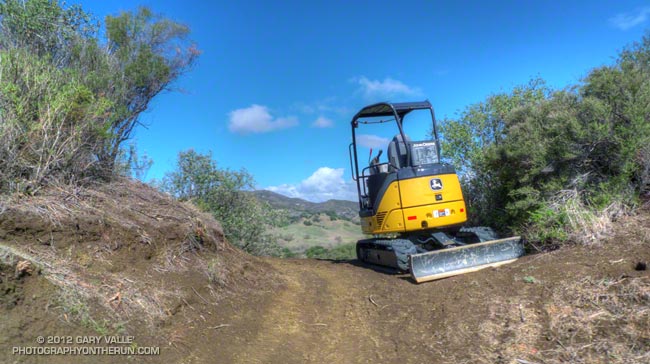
x: 397, y: 156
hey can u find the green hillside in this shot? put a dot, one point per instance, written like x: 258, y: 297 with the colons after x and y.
x: 327, y: 229
x: 315, y: 230
x: 296, y: 206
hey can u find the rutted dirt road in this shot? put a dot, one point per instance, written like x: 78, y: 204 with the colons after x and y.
x: 340, y: 312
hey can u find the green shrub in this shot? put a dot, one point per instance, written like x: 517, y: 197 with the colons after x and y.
x: 332, y: 215
x: 316, y: 252
x: 343, y: 252
x: 287, y: 253
x: 339, y: 252
x: 558, y: 165
x: 547, y: 225
x: 223, y: 193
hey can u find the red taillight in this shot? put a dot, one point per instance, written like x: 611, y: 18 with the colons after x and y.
x: 462, y: 210
x: 412, y: 218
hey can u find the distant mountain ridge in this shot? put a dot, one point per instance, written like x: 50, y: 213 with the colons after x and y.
x: 343, y: 208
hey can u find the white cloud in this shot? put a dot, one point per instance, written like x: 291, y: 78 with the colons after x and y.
x: 329, y: 105
x: 257, y: 119
x: 306, y: 108
x: 372, y: 141
x: 323, y: 105
x: 374, y: 89
x: 625, y: 21
x: 323, y: 122
x: 324, y: 184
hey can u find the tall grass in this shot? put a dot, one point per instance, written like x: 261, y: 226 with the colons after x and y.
x: 566, y: 217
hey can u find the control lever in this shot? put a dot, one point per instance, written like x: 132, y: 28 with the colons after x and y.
x: 375, y: 160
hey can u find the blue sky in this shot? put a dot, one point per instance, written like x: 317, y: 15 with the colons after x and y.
x: 278, y: 81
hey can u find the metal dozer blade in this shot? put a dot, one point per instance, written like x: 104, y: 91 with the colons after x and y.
x: 464, y: 259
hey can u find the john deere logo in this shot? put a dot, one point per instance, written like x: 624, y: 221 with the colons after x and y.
x: 436, y: 184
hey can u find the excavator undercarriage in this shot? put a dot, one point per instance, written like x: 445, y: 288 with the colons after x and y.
x: 442, y: 255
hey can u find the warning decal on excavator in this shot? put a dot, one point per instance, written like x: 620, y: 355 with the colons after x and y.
x: 440, y: 213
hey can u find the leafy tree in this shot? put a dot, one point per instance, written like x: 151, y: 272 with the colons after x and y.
x: 483, y: 125
x: 149, y: 53
x: 225, y: 194
x: 332, y: 215
x: 67, y: 101
x: 468, y: 140
x: 131, y: 163
x: 623, y: 93
x: 45, y: 28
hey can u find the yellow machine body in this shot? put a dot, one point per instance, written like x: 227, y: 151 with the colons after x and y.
x: 411, y: 205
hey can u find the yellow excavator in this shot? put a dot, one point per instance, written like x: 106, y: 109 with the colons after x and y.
x: 413, y: 205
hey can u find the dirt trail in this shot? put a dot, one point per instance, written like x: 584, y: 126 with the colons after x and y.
x: 341, y: 312
x: 311, y: 312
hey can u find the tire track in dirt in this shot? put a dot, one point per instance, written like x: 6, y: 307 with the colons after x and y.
x: 321, y: 316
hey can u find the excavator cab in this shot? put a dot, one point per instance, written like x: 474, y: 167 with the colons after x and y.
x: 401, y: 195
x: 413, y: 204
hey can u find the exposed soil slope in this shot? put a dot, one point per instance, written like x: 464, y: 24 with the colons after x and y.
x: 183, y: 288
x: 117, y: 259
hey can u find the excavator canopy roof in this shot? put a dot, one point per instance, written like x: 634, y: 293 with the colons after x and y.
x: 386, y: 109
